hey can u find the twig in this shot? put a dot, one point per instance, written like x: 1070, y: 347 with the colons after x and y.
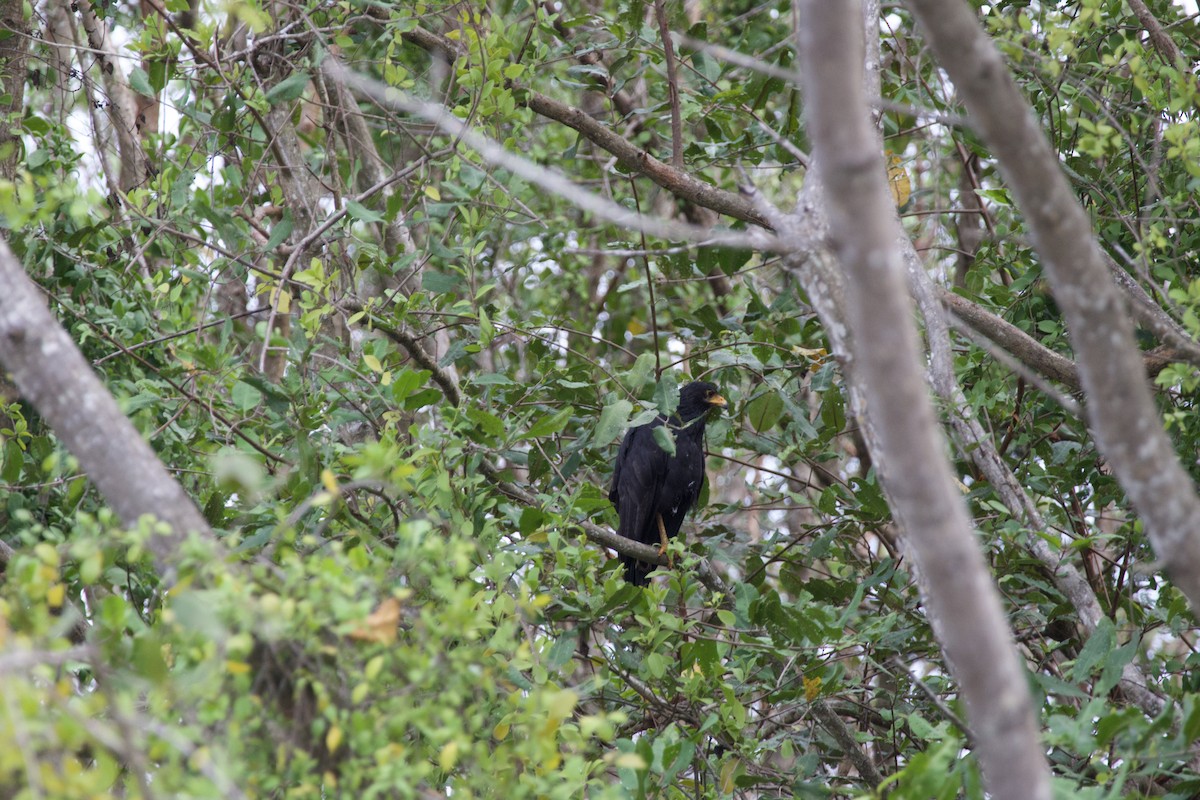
x: 650, y: 291
x: 546, y: 178
x: 664, y: 31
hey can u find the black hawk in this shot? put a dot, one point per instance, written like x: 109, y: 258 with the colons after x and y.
x: 653, y: 490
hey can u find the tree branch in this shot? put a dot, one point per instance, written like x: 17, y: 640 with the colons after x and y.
x: 54, y: 376
x: 664, y: 32
x: 964, y: 605
x: 981, y: 449
x: 1161, y: 40
x: 633, y: 158
x: 122, y: 108
x: 1122, y: 412
x: 1025, y: 348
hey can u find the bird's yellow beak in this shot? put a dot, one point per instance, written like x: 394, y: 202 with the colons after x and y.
x: 717, y: 400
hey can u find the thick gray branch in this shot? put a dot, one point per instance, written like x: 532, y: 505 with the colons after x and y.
x: 964, y: 605
x: 1119, y: 402
x: 982, y: 451
x: 55, y: 377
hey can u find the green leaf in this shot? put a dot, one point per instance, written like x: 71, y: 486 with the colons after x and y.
x: 280, y: 232
x: 408, y: 381
x: 640, y: 372
x: 1098, y: 645
x: 1114, y: 663
x: 531, y: 520
x: 644, y: 417
x: 139, y: 81
x: 288, y: 89
x: 665, y: 438
x: 666, y: 393
x: 439, y: 282
x: 612, y: 421
x: 765, y: 410
x: 148, y: 658
x: 487, y: 331
x: 487, y: 422
x: 360, y: 212
x: 245, y: 396
x: 682, y: 759
x: 561, y: 651
x: 550, y: 424
x: 493, y: 379
x: 14, y: 461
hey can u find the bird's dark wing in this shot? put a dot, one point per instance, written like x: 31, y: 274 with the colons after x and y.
x: 684, y: 479
x: 636, y: 491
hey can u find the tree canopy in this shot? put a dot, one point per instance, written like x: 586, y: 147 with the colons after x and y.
x: 321, y: 323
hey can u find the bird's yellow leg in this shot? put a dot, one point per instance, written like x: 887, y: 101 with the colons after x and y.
x: 662, y: 540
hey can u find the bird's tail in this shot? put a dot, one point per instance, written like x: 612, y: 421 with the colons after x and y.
x: 637, y: 572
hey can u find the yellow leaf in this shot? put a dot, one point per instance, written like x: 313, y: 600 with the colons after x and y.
x: 449, y: 756
x: 432, y: 193
x: 814, y: 354
x: 728, y: 773
x: 372, y: 363
x: 237, y: 667
x: 629, y: 761
x: 562, y: 703
x: 812, y: 688
x: 380, y: 624
x: 500, y: 732
x: 47, y: 554
x: 898, y: 181
x: 284, y: 302
x: 333, y: 738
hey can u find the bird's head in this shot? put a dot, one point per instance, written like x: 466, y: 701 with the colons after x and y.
x: 697, y: 398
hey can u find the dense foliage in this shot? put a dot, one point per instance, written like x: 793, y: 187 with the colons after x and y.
x: 402, y: 443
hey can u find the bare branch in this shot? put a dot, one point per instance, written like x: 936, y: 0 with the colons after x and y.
x: 664, y: 32
x: 53, y: 375
x: 1122, y: 412
x: 1161, y: 40
x: 1025, y: 348
x: 964, y: 606
x: 122, y: 109
x: 681, y: 184
x: 1150, y: 314
x: 544, y: 177
x: 981, y: 449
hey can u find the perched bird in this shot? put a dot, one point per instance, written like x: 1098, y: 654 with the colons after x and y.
x: 653, y: 490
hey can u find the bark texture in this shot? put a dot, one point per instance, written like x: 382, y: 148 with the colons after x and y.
x: 120, y: 103
x: 54, y: 376
x: 1120, y: 408
x: 964, y: 605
